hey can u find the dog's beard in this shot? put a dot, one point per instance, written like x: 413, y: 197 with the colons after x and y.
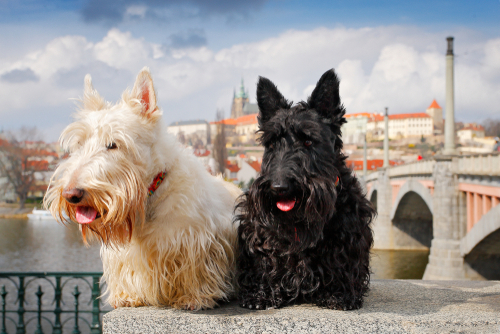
x: 303, y: 225
x: 119, y: 207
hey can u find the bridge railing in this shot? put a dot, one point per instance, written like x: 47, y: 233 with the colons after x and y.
x: 50, y: 302
x: 422, y: 167
x: 480, y: 164
x: 371, y: 177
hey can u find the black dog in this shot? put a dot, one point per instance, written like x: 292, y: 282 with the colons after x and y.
x: 304, y: 229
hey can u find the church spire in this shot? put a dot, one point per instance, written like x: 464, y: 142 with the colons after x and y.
x: 242, y: 92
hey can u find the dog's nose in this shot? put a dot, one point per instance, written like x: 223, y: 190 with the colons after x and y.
x: 73, y: 195
x: 280, y: 187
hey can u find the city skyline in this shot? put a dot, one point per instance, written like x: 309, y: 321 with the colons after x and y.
x: 391, y: 55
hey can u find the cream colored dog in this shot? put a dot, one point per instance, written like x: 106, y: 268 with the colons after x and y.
x: 164, y: 222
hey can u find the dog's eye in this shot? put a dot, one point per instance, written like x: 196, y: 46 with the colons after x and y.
x: 111, y: 146
x: 271, y: 146
x: 308, y: 143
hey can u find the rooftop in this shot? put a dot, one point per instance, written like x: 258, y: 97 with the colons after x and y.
x: 233, y: 168
x: 379, y: 117
x: 254, y: 164
x: 473, y: 127
x: 247, y: 119
x: 373, y: 164
x: 434, y: 105
x: 227, y: 121
x: 359, y: 114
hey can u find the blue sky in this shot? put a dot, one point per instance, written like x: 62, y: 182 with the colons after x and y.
x: 388, y: 53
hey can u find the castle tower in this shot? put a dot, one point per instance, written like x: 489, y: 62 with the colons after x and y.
x: 240, y: 98
x: 436, y: 113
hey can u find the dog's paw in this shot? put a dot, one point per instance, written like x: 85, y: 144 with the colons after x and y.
x: 257, y: 304
x: 127, y: 303
x: 341, y: 305
x: 191, y: 307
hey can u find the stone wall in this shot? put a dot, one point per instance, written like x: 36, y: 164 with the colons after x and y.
x: 393, y: 306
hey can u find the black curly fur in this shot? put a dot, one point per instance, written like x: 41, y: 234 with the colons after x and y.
x: 319, y: 251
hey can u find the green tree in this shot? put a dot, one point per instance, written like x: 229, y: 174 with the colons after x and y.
x: 17, y: 164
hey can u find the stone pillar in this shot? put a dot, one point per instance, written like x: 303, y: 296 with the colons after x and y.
x: 382, y: 226
x: 364, y: 158
x: 449, y: 129
x: 445, y: 261
x: 386, y: 139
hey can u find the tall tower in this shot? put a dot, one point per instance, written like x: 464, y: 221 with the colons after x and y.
x: 449, y: 128
x: 436, y: 113
x: 239, y: 100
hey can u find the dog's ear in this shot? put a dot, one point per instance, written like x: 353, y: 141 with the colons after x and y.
x: 91, y: 99
x: 269, y: 100
x: 144, y: 92
x: 325, y: 98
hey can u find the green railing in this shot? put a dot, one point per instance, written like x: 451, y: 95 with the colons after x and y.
x: 24, y: 307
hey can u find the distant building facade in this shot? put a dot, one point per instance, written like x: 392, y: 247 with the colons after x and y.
x: 469, y: 132
x: 353, y: 132
x: 246, y: 128
x: 400, y: 126
x: 229, y: 130
x: 194, y: 133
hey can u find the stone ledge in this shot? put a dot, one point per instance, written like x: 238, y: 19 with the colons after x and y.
x: 393, y: 306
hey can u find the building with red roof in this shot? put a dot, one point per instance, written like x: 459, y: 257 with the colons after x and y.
x: 246, y: 128
x: 469, y: 132
x: 232, y: 170
x: 353, y: 132
x: 436, y: 113
x: 400, y: 126
x: 371, y: 165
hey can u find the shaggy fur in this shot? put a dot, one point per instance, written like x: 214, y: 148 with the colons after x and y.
x: 175, y: 248
x: 319, y: 250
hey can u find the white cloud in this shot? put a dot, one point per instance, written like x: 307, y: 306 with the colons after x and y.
x: 398, y: 67
x: 492, y: 54
x: 121, y: 50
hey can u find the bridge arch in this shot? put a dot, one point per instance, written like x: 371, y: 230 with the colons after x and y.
x: 481, y: 246
x: 372, y: 196
x: 412, y: 216
x: 416, y: 187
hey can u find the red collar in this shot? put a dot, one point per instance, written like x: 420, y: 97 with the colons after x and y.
x: 156, y: 183
x: 337, y: 181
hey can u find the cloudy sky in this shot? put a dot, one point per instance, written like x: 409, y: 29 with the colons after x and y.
x: 387, y: 53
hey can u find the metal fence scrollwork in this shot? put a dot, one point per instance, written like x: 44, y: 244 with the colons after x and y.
x: 51, y: 302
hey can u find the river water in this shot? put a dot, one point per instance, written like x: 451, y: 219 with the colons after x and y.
x: 48, y: 246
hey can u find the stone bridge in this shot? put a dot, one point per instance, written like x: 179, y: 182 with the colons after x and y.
x: 448, y: 205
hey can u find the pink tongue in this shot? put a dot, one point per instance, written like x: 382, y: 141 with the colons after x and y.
x: 285, y: 205
x: 85, y: 214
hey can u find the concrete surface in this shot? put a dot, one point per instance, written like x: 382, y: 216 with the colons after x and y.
x: 393, y: 306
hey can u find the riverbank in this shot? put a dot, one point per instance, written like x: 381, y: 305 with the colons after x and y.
x: 12, y: 211
x: 392, y: 306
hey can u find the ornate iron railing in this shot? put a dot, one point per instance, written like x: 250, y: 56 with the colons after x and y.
x: 50, y: 307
